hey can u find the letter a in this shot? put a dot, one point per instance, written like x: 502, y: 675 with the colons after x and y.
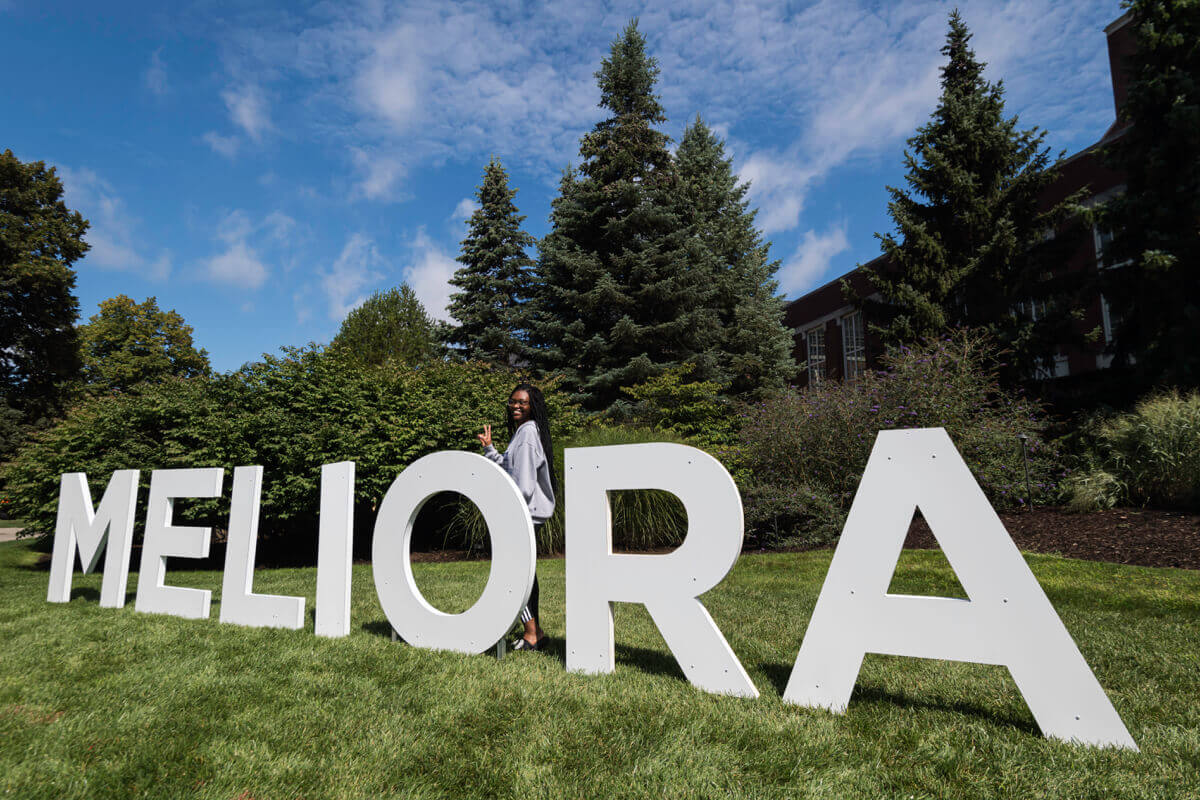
x: 1008, y: 620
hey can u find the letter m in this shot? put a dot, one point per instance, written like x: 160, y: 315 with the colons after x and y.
x: 80, y: 528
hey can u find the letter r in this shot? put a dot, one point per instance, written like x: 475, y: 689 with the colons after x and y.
x: 669, y: 585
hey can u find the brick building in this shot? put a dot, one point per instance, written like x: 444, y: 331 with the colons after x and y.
x: 830, y: 334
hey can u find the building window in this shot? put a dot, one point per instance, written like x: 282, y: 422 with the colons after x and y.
x: 1032, y: 309
x: 1105, y: 359
x: 1059, y: 367
x: 1103, y: 238
x: 854, y: 346
x: 1106, y: 319
x: 815, y: 337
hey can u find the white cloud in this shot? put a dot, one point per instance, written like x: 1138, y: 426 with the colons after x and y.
x: 155, y: 76
x: 800, y: 89
x: 807, y: 266
x: 238, y: 266
x: 279, y: 226
x: 235, y: 227
x: 429, y: 275
x: 241, y: 264
x: 777, y: 188
x: 465, y: 208
x: 248, y: 110
x: 380, y: 174
x: 222, y: 145
x: 114, y: 235
x: 455, y: 81
x: 352, y: 272
x: 304, y: 311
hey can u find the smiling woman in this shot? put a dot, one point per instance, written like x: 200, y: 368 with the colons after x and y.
x: 529, y: 462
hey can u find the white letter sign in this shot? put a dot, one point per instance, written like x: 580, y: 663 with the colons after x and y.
x: 1008, y: 620
x: 110, y: 528
x: 164, y: 539
x: 335, y: 545
x: 670, y: 584
x: 239, y: 604
x: 514, y: 554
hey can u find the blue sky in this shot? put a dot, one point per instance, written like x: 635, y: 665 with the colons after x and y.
x: 263, y: 167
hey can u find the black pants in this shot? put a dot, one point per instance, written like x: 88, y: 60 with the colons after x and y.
x: 530, y: 611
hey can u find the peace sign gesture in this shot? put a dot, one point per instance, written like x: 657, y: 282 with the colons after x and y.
x: 485, y: 438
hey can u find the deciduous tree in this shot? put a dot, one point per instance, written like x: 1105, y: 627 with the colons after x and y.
x: 40, y: 238
x: 128, y: 343
x: 388, y: 328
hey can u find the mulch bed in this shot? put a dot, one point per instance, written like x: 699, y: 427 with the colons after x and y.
x: 1145, y: 537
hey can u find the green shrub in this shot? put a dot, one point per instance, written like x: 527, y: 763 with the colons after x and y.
x: 1150, y: 456
x: 641, y: 520
x: 290, y: 414
x: 806, y: 450
x: 694, y: 410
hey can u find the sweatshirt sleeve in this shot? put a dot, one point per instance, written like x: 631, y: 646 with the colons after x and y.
x: 493, y: 454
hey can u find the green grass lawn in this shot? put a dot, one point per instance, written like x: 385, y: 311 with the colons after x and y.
x: 111, y: 703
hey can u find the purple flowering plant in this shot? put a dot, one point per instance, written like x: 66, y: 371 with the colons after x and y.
x: 805, y: 450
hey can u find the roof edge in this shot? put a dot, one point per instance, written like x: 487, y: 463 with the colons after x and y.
x: 1118, y: 23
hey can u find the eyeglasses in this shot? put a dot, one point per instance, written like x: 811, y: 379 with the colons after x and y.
x: 518, y: 403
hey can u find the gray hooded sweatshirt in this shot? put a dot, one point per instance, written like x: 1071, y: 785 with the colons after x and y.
x: 525, y: 462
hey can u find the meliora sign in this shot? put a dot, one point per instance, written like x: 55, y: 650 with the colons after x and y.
x: 1008, y: 620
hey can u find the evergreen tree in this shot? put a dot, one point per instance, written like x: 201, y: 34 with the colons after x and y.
x: 754, y: 351
x: 973, y: 248
x: 40, y: 238
x: 389, y: 329
x: 1153, y: 290
x: 495, y: 277
x: 128, y: 342
x: 622, y: 290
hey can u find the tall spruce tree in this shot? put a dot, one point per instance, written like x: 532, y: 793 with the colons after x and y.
x: 754, y: 351
x: 494, y: 281
x: 623, y: 290
x: 1153, y: 287
x: 972, y: 248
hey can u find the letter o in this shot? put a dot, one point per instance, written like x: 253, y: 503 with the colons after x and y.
x: 514, y: 553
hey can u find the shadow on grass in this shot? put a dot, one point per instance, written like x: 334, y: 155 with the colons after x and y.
x: 650, y: 661
x: 87, y: 593
x: 778, y: 675
x: 654, y: 662
x: 875, y: 694
x: 375, y: 628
